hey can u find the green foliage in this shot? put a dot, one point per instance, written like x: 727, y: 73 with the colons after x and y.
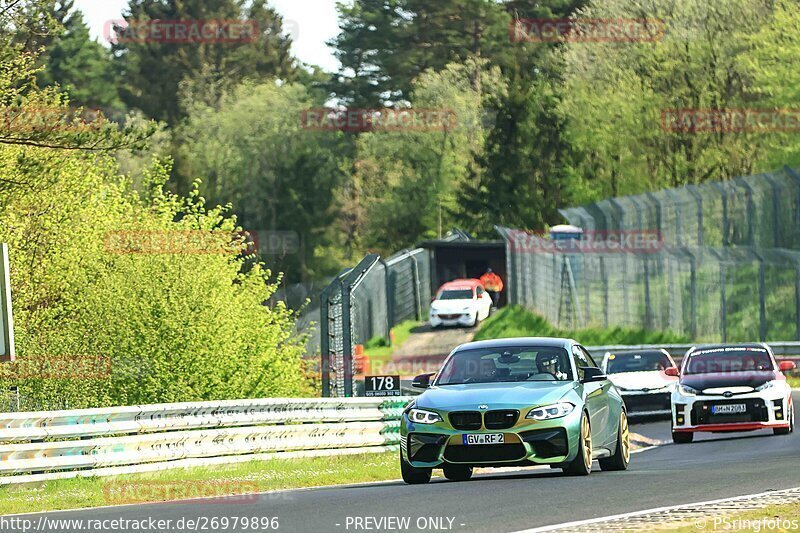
x: 615, y: 94
x: 82, y: 67
x: 157, y: 74
x: 516, y: 321
x: 404, y: 185
x: 253, y: 153
x: 175, y: 326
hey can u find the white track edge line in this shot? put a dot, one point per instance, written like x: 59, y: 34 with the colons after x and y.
x: 590, y: 521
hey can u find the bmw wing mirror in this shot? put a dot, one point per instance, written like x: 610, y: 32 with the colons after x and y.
x: 672, y: 372
x: 422, y: 381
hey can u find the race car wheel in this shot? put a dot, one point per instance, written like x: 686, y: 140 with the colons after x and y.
x: 622, y: 456
x: 785, y: 431
x: 681, y: 437
x: 457, y: 472
x: 582, y: 464
x: 414, y: 476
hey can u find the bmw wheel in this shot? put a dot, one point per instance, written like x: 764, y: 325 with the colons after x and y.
x: 582, y: 464
x: 414, y: 476
x: 622, y: 456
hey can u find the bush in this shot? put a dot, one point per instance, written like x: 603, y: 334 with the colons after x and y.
x: 172, y: 326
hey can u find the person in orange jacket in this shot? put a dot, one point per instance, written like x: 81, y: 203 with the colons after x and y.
x: 493, y: 285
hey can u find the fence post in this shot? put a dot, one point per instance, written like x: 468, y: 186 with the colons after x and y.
x: 388, y: 281
x: 415, y: 283
x: 723, y: 309
x: 605, y: 290
x: 325, y: 337
x: 797, y: 299
x: 347, y: 340
x: 648, y: 312
x: 693, y: 295
x: 762, y: 303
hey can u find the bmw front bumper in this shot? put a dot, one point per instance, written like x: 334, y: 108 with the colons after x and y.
x: 526, y: 443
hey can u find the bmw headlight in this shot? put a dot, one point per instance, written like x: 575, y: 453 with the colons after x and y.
x: 421, y: 416
x: 685, y: 389
x: 765, y: 386
x: 549, y: 412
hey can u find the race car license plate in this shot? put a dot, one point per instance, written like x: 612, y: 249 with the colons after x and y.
x: 484, y: 438
x: 729, y: 409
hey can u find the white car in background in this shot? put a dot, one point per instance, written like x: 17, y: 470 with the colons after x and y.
x: 462, y: 302
x: 642, y: 381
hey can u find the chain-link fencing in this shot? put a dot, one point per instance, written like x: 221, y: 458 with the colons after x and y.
x: 367, y: 302
x: 761, y: 211
x: 708, y: 294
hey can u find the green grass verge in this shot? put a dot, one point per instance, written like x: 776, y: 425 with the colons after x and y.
x: 515, y: 321
x: 221, y: 480
x: 794, y: 381
x: 378, y: 348
x: 748, y: 521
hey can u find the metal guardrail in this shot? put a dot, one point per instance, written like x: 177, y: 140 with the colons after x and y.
x: 49, y: 444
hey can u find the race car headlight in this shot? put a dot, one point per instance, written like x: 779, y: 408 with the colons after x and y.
x: 765, y: 386
x: 549, y: 412
x: 685, y: 389
x: 421, y: 416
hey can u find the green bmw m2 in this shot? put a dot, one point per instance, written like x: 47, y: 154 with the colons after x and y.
x: 514, y: 402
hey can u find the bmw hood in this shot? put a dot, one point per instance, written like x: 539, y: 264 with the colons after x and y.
x: 493, y: 395
x: 641, y: 380
x: 727, y: 379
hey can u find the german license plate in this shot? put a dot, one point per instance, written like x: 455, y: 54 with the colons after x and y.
x: 729, y: 409
x: 484, y: 438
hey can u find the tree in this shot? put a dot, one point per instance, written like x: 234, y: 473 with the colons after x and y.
x: 81, y: 67
x: 253, y: 153
x: 156, y: 74
x: 616, y: 95
x: 407, y: 181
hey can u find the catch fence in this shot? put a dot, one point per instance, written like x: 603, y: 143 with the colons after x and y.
x: 760, y: 211
x: 367, y: 302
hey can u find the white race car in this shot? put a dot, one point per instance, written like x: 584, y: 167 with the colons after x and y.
x: 731, y: 388
x: 642, y: 381
x: 462, y: 302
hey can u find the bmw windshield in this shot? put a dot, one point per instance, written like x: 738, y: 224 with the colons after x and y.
x: 506, y: 365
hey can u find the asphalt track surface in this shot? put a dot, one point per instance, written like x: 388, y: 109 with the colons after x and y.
x: 714, y: 466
